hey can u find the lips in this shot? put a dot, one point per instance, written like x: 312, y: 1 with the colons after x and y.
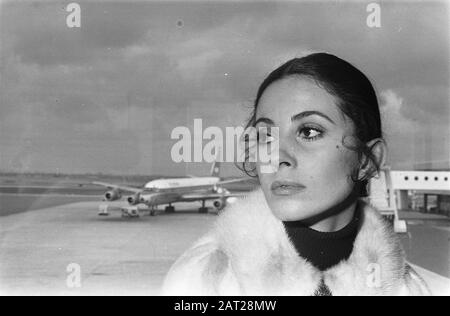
x: 286, y: 188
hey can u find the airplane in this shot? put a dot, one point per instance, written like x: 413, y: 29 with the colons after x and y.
x: 170, y: 191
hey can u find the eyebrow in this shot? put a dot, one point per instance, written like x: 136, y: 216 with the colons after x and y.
x: 296, y: 117
x: 309, y: 113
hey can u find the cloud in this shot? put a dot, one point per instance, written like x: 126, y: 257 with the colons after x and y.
x: 427, y: 103
x: 391, y: 108
x: 412, y: 140
x: 134, y: 71
x: 44, y: 38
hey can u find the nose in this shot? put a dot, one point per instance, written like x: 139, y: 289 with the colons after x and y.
x: 287, y: 158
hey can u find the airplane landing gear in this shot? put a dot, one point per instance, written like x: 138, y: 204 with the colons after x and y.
x: 170, y: 209
x: 152, y: 211
x: 203, y: 209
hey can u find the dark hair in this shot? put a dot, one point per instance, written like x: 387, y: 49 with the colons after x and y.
x: 356, y: 99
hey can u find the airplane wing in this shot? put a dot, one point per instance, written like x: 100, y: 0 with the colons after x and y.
x: 233, y: 181
x: 118, y: 187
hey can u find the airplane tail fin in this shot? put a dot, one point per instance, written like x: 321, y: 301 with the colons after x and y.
x: 215, y: 168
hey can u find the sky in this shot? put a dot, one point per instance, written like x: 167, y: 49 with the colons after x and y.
x: 105, y: 97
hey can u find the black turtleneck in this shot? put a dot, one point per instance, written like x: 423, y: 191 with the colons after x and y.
x: 323, y: 249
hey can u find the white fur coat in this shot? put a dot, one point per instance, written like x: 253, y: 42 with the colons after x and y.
x: 248, y: 252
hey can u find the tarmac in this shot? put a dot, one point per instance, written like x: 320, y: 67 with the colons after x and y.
x: 41, y: 251
x: 115, y: 256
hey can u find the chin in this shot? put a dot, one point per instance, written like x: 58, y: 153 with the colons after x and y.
x: 290, y: 210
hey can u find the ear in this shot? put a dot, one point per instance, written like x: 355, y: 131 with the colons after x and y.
x: 379, y: 150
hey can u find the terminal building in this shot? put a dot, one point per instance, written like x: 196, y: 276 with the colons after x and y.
x: 433, y: 201
x: 424, y: 189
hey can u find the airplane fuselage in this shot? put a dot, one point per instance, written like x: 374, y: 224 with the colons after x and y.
x: 173, y: 188
x: 178, y: 184
x: 152, y: 199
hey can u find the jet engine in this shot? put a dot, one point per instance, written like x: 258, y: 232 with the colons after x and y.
x: 220, y: 203
x: 113, y: 195
x: 134, y: 199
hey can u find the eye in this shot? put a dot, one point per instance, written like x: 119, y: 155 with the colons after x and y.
x: 310, y: 133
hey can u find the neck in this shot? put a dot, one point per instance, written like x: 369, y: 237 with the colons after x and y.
x: 326, y: 244
x: 336, y: 222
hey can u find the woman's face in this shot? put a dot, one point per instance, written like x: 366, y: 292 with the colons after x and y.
x: 315, y: 168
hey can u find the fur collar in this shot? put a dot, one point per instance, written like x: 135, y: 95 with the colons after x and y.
x: 265, y: 262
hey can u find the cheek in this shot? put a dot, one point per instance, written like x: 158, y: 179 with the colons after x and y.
x: 332, y: 166
x: 344, y: 162
x: 265, y: 179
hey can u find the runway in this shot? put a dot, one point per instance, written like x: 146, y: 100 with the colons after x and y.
x: 117, y: 256
x: 122, y: 256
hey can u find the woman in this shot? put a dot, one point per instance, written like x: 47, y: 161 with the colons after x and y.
x: 306, y: 230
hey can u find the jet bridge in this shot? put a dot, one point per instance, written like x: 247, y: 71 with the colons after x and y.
x: 388, y: 192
